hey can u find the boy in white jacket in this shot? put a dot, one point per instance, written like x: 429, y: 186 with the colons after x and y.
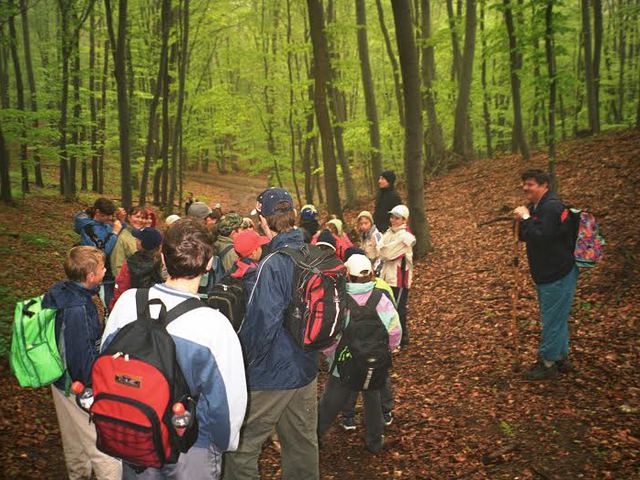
x: 395, y: 250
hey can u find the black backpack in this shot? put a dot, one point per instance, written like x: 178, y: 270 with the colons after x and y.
x: 362, y: 357
x: 215, y: 275
x: 136, y: 381
x: 229, y: 298
x: 315, y: 316
x: 144, y: 270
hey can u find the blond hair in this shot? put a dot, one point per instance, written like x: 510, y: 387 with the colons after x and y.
x: 81, y: 261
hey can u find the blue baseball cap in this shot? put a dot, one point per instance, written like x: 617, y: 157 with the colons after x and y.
x: 272, y: 197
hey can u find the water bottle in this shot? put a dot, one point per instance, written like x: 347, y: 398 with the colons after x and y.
x: 181, y: 418
x: 84, y: 395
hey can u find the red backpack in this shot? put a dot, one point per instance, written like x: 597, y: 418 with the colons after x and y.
x: 136, y: 383
x: 316, y: 313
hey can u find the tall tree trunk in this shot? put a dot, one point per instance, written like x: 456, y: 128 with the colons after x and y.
x: 369, y: 91
x: 515, y: 66
x: 394, y: 63
x: 118, y: 47
x: 592, y: 101
x: 5, y: 179
x: 622, y: 51
x: 13, y: 46
x: 322, y: 71
x: 456, y: 67
x: 597, y: 53
x: 413, y: 137
x: 26, y: 41
x: 183, y: 63
x: 4, y: 71
x: 549, y: 46
x: 462, y: 139
x: 93, y: 111
x: 75, y: 122
x: 153, y: 106
x: 338, y: 108
x: 485, y: 94
x: 103, y: 115
x: 292, y: 135
x: 160, y: 196
x: 435, y: 143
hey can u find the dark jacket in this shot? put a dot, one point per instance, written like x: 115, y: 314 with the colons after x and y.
x: 273, y: 360
x: 77, y: 322
x: 549, y: 248
x: 387, y: 199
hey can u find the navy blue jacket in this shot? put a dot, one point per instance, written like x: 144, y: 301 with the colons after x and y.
x: 77, y: 320
x: 273, y: 360
x: 549, y: 249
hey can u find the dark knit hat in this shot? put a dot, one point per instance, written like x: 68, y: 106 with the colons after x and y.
x: 150, y: 238
x: 353, y: 251
x: 389, y: 176
x: 326, y: 238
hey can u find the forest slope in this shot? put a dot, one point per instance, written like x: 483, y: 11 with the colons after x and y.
x: 458, y: 396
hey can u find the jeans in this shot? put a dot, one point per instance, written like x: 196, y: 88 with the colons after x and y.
x: 386, y: 400
x: 555, y: 300
x: 402, y: 296
x: 333, y: 398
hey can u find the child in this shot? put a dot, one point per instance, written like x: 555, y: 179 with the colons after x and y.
x: 143, y: 269
x: 326, y: 240
x: 336, y: 393
x: 370, y: 237
x: 342, y: 239
x: 248, y: 245
x: 126, y: 244
x: 97, y: 228
x: 78, y: 330
x: 207, y: 351
x: 396, y: 253
x: 308, y: 222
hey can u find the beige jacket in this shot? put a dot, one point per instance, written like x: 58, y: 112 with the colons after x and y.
x: 396, y: 253
x: 123, y: 249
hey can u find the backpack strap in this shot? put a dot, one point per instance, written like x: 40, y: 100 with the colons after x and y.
x: 142, y: 299
x: 182, y: 308
x: 370, y: 304
x: 224, y: 251
x: 101, y: 244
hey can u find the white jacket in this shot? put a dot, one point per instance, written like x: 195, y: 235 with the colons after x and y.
x: 396, y: 253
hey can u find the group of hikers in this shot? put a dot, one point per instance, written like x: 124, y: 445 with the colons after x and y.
x: 255, y: 379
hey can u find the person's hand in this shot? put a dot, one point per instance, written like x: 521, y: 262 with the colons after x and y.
x: 521, y: 213
x: 121, y: 214
x: 117, y: 226
x: 265, y: 228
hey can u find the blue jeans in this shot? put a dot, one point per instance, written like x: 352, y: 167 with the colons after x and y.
x: 555, y: 300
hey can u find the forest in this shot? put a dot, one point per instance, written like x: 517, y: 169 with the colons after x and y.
x: 321, y: 96
x: 145, y: 101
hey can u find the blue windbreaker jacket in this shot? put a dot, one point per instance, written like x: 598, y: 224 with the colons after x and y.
x: 273, y: 360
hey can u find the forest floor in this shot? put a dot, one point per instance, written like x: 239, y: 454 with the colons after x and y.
x: 459, y: 394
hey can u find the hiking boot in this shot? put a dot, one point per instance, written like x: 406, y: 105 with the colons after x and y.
x: 388, y: 418
x: 564, y: 365
x: 348, y: 423
x: 540, y: 371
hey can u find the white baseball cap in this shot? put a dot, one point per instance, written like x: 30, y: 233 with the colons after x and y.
x: 171, y: 218
x: 400, y: 211
x: 358, y: 265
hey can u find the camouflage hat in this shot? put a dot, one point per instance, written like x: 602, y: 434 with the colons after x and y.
x: 228, y: 223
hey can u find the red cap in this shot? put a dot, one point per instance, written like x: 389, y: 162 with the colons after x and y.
x: 178, y: 408
x: 247, y: 242
x: 77, y: 387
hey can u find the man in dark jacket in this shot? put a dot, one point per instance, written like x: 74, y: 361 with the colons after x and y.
x: 387, y: 199
x: 544, y: 226
x: 281, y: 376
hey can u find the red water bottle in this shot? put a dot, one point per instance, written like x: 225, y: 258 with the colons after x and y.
x: 84, y: 395
x: 181, y: 418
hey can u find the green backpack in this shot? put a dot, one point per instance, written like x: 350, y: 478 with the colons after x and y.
x: 35, y: 359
